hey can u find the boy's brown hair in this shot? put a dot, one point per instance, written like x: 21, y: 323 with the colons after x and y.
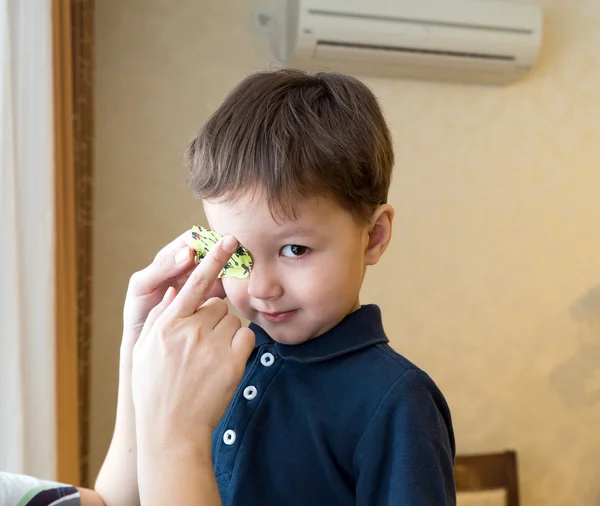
x: 289, y: 134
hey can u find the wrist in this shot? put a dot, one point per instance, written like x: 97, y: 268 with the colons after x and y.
x: 187, y: 464
x: 175, y: 453
x: 174, y: 446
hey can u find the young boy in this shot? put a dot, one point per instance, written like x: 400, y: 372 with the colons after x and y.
x: 297, y: 168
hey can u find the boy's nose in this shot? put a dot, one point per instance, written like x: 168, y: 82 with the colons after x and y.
x: 264, y: 283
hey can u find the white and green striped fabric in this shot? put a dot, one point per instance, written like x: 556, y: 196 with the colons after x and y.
x: 24, y: 490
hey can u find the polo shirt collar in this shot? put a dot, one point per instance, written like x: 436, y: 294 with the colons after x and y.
x: 358, y: 330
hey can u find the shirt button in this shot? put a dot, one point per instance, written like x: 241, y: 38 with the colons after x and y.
x: 229, y: 437
x: 250, y: 392
x: 267, y: 359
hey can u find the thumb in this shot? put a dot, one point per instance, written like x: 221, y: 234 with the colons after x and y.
x: 171, y: 261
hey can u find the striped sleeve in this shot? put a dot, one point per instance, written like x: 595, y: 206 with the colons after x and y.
x: 24, y: 490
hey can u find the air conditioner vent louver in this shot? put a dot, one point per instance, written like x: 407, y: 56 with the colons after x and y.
x: 415, y: 50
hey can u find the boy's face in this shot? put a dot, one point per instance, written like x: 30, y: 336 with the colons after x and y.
x: 307, y: 272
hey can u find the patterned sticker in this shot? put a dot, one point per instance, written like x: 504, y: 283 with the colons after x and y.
x: 238, y: 266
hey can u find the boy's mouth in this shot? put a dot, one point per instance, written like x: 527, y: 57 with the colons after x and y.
x: 278, y: 317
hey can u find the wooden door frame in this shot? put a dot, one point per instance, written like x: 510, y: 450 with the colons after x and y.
x: 72, y: 50
x: 67, y: 391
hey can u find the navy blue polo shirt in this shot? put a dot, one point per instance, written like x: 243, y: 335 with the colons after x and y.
x: 339, y: 420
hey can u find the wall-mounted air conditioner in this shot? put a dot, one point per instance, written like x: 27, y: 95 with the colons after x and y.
x: 477, y: 41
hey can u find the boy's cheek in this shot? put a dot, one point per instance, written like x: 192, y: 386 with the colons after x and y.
x: 237, y: 293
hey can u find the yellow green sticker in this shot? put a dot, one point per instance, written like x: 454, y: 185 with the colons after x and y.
x: 239, y: 265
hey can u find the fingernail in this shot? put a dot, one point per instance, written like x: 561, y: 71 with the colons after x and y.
x: 182, y: 257
x: 230, y: 244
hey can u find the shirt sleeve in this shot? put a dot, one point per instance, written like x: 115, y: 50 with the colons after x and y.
x: 406, y: 455
x: 25, y: 490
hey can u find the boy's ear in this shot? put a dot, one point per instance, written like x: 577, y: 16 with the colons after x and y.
x: 380, y: 233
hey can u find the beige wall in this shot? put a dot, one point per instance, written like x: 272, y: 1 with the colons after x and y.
x: 497, y: 235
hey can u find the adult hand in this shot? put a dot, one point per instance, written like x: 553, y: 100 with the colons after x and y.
x: 171, y: 267
x: 117, y: 481
x: 189, y: 359
x: 187, y: 364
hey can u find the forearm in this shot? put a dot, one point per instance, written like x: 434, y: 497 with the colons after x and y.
x: 183, y: 477
x: 117, y: 480
x: 90, y: 497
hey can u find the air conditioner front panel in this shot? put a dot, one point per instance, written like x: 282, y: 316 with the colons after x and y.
x: 407, y: 35
x: 507, y: 15
x: 487, y: 41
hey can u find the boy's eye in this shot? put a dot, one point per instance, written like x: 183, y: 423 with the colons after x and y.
x: 293, y: 251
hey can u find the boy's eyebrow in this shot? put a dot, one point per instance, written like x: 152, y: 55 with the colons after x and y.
x: 297, y: 231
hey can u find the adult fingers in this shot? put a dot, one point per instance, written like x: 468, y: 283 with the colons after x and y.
x: 197, y: 287
x: 216, y: 290
x: 170, y: 261
x: 210, y: 314
x: 243, y: 343
x: 227, y: 328
x: 157, y: 311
